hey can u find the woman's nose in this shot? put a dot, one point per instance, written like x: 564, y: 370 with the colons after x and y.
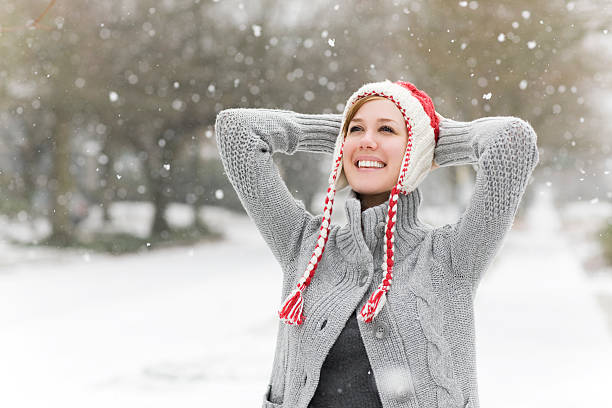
x: 368, y: 141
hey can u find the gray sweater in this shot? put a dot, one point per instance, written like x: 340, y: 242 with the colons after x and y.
x: 421, y: 346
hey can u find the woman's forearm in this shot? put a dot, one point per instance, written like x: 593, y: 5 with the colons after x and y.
x: 246, y: 139
x: 464, y: 142
x: 318, y: 131
x: 505, y: 149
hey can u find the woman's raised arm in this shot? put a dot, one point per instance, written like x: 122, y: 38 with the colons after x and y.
x: 506, y: 153
x: 246, y: 139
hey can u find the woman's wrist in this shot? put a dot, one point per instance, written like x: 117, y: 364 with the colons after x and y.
x: 318, y: 132
x: 454, y: 145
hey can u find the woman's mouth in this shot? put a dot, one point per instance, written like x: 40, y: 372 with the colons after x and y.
x: 370, y: 164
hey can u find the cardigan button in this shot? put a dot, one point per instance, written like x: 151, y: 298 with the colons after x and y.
x: 380, y: 331
x: 380, y: 229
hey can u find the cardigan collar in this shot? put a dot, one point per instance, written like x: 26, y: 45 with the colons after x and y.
x: 355, y: 242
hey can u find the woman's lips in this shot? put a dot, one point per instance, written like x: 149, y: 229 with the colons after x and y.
x: 369, y: 164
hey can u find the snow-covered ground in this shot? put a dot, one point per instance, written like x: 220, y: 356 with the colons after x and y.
x: 195, y: 326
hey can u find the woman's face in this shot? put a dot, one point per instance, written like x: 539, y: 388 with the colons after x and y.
x: 374, y: 147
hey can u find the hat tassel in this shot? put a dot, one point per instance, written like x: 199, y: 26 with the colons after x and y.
x: 291, y: 312
x: 374, y: 305
x: 377, y: 299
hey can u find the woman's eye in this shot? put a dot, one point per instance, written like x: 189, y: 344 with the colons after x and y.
x: 385, y: 128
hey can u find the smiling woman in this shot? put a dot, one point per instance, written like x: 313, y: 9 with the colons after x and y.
x: 380, y: 324
x: 373, y: 149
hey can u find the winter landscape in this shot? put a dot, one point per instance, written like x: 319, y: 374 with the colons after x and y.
x: 130, y: 276
x: 164, y: 328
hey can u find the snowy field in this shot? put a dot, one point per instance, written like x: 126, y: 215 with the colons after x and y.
x: 195, y: 326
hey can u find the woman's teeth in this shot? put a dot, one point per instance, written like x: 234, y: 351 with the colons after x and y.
x: 369, y: 163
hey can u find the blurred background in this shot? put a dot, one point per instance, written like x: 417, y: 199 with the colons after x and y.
x: 122, y: 243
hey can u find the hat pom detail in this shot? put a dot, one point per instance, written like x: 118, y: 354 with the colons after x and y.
x: 427, y: 104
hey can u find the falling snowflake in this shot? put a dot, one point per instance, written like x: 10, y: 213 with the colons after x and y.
x: 487, y: 96
x: 331, y: 42
x: 397, y: 382
x: 256, y: 30
x: 309, y: 96
x: 113, y: 96
x: 177, y: 104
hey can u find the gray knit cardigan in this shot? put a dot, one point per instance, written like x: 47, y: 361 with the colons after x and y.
x: 421, y: 346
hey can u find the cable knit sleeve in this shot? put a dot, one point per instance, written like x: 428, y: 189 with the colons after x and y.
x: 505, y: 150
x: 246, y: 139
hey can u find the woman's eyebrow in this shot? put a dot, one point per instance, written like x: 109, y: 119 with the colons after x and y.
x: 379, y: 120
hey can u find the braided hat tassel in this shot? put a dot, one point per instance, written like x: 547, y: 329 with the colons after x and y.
x: 377, y: 299
x: 291, y: 312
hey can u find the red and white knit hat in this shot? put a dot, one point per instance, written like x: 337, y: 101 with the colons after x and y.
x: 422, y: 128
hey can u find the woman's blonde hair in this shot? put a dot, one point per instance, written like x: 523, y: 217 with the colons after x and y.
x: 354, y: 108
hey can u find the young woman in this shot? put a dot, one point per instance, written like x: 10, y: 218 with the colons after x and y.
x: 377, y: 312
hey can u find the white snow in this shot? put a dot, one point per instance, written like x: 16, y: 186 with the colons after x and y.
x: 541, y: 337
x: 196, y: 326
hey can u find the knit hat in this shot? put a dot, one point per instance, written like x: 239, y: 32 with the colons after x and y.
x: 422, y: 126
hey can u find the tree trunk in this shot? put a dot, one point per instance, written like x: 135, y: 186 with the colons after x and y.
x: 108, y: 192
x: 158, y: 186
x: 61, y: 186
